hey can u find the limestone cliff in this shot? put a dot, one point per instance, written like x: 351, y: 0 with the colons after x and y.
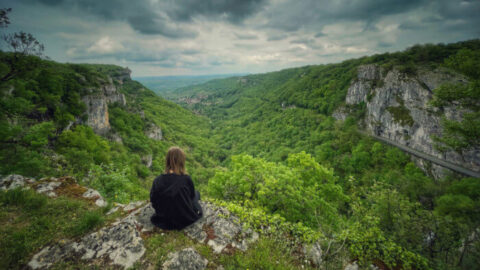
x: 97, y: 100
x: 397, y: 108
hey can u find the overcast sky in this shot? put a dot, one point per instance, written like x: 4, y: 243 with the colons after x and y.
x: 195, y: 37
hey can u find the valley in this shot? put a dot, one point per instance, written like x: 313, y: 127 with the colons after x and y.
x: 292, y: 154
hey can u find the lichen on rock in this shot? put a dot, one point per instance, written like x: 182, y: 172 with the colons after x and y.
x: 185, y: 259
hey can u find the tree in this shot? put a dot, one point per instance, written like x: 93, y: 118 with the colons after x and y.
x: 4, y: 20
x: 23, y: 45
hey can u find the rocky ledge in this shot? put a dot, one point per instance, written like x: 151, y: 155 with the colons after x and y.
x: 53, y: 187
x: 120, y: 244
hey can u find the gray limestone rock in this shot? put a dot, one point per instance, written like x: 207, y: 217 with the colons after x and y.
x: 147, y: 160
x: 398, y: 109
x: 352, y: 266
x: 219, y: 229
x: 120, y: 243
x: 97, y: 105
x: 48, y: 188
x: 154, y: 132
x: 14, y: 181
x: 369, y: 72
x: 93, y: 194
x: 313, y: 252
x: 186, y: 259
x: 97, y: 111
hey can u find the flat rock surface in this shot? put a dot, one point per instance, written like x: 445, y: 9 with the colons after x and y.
x: 185, y: 259
x: 219, y: 229
x: 119, y: 244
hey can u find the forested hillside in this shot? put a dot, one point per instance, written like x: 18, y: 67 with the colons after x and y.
x: 45, y: 133
x: 377, y: 193
x: 266, y: 147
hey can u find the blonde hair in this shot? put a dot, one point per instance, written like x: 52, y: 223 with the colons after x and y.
x: 175, y: 161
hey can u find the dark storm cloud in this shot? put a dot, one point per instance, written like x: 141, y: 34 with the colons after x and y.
x: 291, y: 16
x: 165, y: 18
x: 218, y: 35
x: 234, y: 11
x: 159, y: 25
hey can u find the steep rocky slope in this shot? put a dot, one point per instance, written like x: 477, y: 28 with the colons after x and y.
x: 397, y: 108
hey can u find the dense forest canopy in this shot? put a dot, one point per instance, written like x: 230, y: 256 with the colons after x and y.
x: 265, y: 146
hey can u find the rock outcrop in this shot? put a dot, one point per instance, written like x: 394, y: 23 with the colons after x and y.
x: 97, y: 101
x: 186, y: 259
x: 154, y: 132
x: 53, y: 187
x: 120, y: 244
x: 221, y: 230
x: 122, y: 75
x: 397, y: 109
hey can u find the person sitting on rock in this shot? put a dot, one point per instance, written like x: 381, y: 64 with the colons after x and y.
x: 173, y: 195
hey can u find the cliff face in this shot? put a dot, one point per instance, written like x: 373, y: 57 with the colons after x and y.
x: 397, y: 109
x: 97, y: 101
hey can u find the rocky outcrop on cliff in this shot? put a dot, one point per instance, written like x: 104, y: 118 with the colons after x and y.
x: 397, y: 108
x: 97, y: 100
x: 154, y: 132
x: 122, y: 242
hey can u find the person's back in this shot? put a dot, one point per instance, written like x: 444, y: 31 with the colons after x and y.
x: 174, y: 199
x: 173, y: 195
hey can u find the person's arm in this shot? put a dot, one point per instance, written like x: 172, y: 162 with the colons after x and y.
x: 191, y: 186
x: 152, y: 190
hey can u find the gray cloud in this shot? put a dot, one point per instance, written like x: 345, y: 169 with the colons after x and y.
x: 276, y: 37
x: 161, y: 26
x: 165, y: 18
x: 246, y: 36
x: 208, y: 36
x: 291, y: 16
x: 234, y: 11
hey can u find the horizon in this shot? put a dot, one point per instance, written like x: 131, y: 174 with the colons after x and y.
x: 205, y: 38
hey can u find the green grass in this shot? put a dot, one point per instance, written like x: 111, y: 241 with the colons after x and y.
x: 29, y: 221
x: 266, y: 253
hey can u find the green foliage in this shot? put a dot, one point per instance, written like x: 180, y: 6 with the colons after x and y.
x: 119, y: 185
x: 401, y: 115
x: 270, y: 224
x: 295, y: 172
x: 265, y: 254
x: 303, y: 186
x: 464, y: 134
x: 87, y: 223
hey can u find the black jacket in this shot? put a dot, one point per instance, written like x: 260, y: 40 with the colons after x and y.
x: 175, y: 202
